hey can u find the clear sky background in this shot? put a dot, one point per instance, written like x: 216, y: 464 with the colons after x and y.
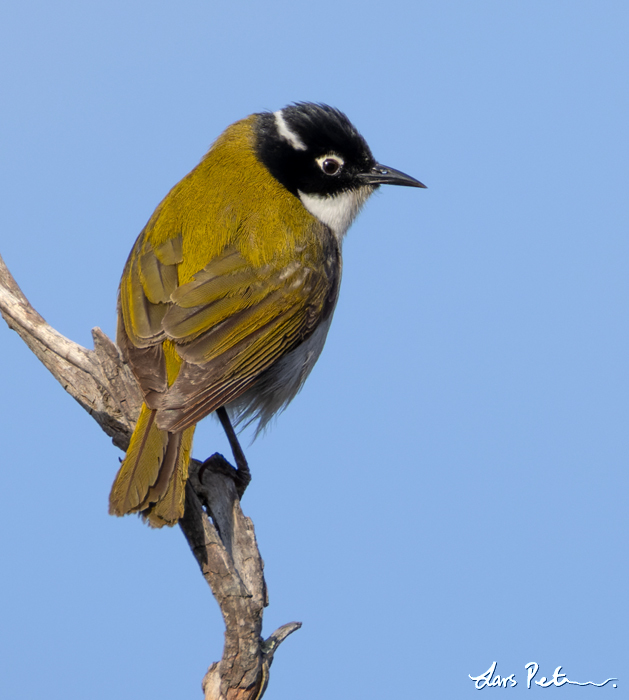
x: 450, y: 487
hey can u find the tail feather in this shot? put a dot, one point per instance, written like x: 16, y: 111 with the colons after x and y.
x: 169, y: 463
x: 170, y: 506
x: 153, y: 474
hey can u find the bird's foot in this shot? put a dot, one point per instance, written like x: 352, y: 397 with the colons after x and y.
x: 217, y: 464
x: 242, y: 468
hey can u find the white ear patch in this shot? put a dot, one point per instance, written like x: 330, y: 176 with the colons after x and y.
x: 284, y: 131
x: 336, y: 211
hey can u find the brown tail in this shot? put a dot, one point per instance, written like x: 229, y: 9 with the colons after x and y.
x: 152, y: 477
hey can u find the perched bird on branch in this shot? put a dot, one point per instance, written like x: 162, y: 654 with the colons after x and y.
x: 228, y: 294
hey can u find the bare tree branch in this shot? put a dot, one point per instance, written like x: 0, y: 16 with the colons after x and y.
x: 221, y: 538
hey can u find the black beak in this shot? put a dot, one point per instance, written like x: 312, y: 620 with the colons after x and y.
x: 382, y: 175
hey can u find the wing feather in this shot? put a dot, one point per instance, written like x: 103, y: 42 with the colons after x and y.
x: 159, y: 281
x: 229, y: 323
x: 171, y: 251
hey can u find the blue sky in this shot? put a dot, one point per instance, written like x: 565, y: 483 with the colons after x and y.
x: 450, y: 488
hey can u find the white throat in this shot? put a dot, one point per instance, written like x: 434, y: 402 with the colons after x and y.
x: 339, y: 210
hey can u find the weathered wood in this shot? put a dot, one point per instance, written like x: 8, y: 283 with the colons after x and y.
x: 221, y: 538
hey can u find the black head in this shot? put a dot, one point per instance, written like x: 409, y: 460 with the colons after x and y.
x: 315, y: 149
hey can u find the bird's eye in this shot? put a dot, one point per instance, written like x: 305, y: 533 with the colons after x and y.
x: 331, y: 166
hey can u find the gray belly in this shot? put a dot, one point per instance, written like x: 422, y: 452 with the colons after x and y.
x: 278, y: 385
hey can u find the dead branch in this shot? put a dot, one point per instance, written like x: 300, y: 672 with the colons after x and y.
x: 221, y: 538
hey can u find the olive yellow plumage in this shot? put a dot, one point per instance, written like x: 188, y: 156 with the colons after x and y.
x: 228, y: 292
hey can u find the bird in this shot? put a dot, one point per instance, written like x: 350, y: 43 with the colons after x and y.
x: 227, y: 296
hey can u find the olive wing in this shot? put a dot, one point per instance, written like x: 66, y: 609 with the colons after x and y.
x: 227, y: 325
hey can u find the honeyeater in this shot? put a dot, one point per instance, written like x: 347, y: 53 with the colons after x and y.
x: 228, y: 293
